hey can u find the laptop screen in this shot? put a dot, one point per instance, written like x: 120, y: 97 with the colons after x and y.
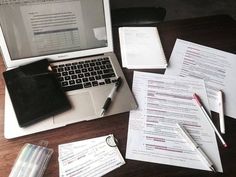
x: 33, y: 28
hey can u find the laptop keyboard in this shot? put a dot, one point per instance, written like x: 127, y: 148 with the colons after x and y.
x: 85, y: 74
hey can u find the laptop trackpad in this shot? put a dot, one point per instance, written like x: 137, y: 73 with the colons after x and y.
x: 82, y: 109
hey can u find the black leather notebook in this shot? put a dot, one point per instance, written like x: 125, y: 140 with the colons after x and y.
x: 35, y: 92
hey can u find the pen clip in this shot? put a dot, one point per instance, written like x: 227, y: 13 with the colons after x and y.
x: 111, y: 141
x: 118, y: 83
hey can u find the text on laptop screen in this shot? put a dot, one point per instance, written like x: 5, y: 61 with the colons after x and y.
x: 34, y: 28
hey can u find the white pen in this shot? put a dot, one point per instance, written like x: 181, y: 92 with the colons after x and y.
x: 221, y: 112
x: 38, y: 161
x: 197, y: 99
x: 110, y: 96
x: 195, y: 146
x: 20, y: 160
x: 26, y: 159
x: 31, y: 160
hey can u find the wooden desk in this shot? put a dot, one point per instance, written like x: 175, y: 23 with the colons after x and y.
x: 217, y: 31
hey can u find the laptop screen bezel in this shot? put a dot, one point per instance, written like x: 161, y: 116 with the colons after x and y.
x: 62, y: 56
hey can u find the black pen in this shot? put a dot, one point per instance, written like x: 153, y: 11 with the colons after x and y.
x: 111, y: 95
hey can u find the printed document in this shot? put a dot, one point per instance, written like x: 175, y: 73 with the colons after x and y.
x: 215, y: 67
x: 141, y: 48
x: 93, y: 157
x: 152, y: 134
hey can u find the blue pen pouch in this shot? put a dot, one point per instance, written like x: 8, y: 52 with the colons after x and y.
x: 31, y: 161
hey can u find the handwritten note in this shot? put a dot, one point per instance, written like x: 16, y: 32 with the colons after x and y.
x: 93, y: 157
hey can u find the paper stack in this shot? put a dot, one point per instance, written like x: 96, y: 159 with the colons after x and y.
x: 141, y: 48
x: 93, y: 157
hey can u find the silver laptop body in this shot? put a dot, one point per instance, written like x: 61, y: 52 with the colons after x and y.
x: 67, y: 32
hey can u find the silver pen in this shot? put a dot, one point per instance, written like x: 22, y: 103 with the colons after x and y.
x: 195, y: 146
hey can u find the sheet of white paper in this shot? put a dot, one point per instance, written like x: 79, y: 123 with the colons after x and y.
x: 92, y: 157
x: 163, y: 101
x: 141, y: 48
x: 216, y: 67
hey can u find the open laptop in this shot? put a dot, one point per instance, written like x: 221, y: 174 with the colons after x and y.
x: 76, y: 36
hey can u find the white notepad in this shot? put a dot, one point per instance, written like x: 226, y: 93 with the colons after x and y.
x: 141, y: 48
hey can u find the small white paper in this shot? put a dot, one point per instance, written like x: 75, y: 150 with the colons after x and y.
x: 93, y: 157
x: 100, y: 33
x: 141, y: 48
